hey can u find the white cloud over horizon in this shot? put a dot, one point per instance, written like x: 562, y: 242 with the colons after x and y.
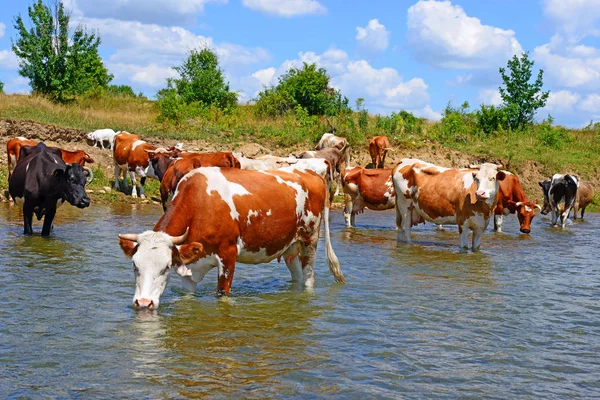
x: 8, y: 60
x: 286, y: 8
x: 574, y: 18
x: 2, y: 30
x: 443, y: 35
x: 372, y: 39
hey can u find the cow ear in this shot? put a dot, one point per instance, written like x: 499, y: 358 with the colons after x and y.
x: 500, y: 175
x: 187, y: 253
x: 129, y: 247
x: 541, y: 184
x: 196, y: 164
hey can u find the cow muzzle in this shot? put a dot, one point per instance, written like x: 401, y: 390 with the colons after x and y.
x: 482, y: 195
x: 525, y: 230
x: 83, y: 203
x: 144, y: 303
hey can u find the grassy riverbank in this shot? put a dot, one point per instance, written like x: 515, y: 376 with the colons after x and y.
x: 534, y: 154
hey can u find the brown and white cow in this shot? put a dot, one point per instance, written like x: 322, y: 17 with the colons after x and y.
x: 335, y: 156
x: 512, y: 199
x: 13, y: 150
x: 585, y: 195
x: 330, y: 140
x: 463, y: 197
x: 186, y: 162
x: 370, y: 188
x: 378, y: 148
x: 222, y: 215
x: 130, y: 154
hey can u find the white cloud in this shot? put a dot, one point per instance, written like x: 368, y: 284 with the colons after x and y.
x: 443, y: 35
x: 568, y: 65
x: 163, y: 12
x: 461, y: 80
x: 286, y: 8
x: 561, y: 101
x: 151, y: 75
x: 490, y: 97
x: 8, y: 60
x: 428, y: 113
x: 265, y: 77
x: 2, y: 30
x: 372, y: 39
x: 575, y: 18
x: 18, y: 85
x: 591, y: 103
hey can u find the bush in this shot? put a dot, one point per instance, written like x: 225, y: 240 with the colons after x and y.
x: 491, y: 119
x: 274, y: 103
x: 123, y: 91
x: 553, y: 137
x: 1, y: 87
x: 456, y: 123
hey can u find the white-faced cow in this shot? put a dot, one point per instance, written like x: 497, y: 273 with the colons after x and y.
x: 463, y: 197
x: 222, y: 215
x: 41, y: 182
x: 101, y: 135
x: 378, y: 148
x: 560, y: 195
x: 512, y: 199
x: 370, y: 188
x: 131, y: 155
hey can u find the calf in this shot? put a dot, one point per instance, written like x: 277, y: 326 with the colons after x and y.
x: 41, y: 182
x: 100, y: 135
x: 378, y: 148
x: 13, y: 150
x: 511, y: 200
x: 559, y: 197
x: 222, y: 215
x: 130, y: 154
x: 463, y: 197
x: 585, y: 195
x: 368, y: 188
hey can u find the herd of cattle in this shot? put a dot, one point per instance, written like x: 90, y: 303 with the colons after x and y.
x: 222, y: 207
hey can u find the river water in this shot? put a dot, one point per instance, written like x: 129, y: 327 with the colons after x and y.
x: 519, y: 319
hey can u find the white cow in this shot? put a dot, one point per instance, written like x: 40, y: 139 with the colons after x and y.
x: 100, y: 135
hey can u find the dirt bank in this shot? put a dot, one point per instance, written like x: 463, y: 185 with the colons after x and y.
x: 72, y: 139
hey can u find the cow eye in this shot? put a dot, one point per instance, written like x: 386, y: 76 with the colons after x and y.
x: 165, y: 270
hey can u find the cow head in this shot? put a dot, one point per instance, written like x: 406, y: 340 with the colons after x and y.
x: 525, y: 211
x: 486, y: 178
x: 160, y: 162
x: 545, y: 185
x: 71, y: 185
x: 153, y: 255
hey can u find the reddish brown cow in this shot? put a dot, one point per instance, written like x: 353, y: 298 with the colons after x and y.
x: 13, y: 149
x: 511, y: 200
x: 369, y: 188
x: 378, y: 148
x: 222, y: 215
x: 76, y: 156
x: 585, y: 195
x: 131, y: 155
x: 186, y: 162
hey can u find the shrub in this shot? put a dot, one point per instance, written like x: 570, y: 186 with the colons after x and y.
x: 273, y: 103
x: 491, y: 119
x: 553, y: 137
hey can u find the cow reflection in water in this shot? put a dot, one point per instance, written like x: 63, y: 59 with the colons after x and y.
x: 222, y: 347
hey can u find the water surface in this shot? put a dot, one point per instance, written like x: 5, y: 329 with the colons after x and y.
x: 519, y: 319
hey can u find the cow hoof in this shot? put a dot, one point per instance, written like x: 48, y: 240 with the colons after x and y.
x: 134, y: 196
x: 142, y: 196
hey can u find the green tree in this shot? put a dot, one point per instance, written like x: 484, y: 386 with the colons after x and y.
x: 54, y: 64
x: 1, y: 87
x: 307, y: 87
x: 201, y: 80
x: 521, y: 98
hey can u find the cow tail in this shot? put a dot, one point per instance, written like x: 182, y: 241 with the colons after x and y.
x: 334, y: 263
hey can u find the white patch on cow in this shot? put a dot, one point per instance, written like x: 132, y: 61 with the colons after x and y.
x: 528, y: 209
x: 27, y: 167
x: 301, y: 195
x: 199, y: 269
x: 22, y: 138
x: 468, y: 180
x: 251, y: 213
x: 136, y: 144
x: 140, y: 171
x: 269, y: 213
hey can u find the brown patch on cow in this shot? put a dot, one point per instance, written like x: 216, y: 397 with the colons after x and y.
x: 124, y: 153
x: 129, y: 247
x: 371, y: 185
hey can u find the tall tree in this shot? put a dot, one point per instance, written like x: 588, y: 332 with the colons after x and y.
x: 521, y: 97
x: 54, y: 64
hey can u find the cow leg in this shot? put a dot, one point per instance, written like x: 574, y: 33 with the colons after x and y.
x: 352, y: 217
x: 226, y: 265
x: 292, y: 261
x: 117, y: 173
x: 477, y: 235
x: 554, y: 217
x: 308, y: 261
x: 27, y: 219
x: 582, y: 212
x: 338, y: 184
x: 575, y: 210
x: 463, y: 230
x: 48, y: 219
x: 403, y: 223
x: 142, y: 183
x: 133, y: 184
x: 348, y: 210
x: 498, y: 223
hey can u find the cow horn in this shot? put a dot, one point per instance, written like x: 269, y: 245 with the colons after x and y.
x: 180, y: 239
x: 538, y: 207
x: 129, y: 236
x: 519, y: 203
x: 474, y: 166
x: 89, y: 175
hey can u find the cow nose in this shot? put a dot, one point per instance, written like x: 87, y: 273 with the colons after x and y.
x: 84, y: 203
x: 144, y: 303
x: 481, y: 194
x: 524, y: 230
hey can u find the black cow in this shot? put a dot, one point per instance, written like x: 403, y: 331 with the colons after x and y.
x: 559, y: 197
x: 41, y: 182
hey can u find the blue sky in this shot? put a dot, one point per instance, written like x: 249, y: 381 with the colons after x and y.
x: 413, y: 55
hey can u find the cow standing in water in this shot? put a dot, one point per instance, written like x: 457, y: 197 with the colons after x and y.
x: 512, y: 199
x: 585, y: 195
x: 370, y: 188
x: 560, y: 195
x: 130, y: 154
x: 42, y: 181
x: 463, y: 197
x: 378, y: 148
x: 222, y: 215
